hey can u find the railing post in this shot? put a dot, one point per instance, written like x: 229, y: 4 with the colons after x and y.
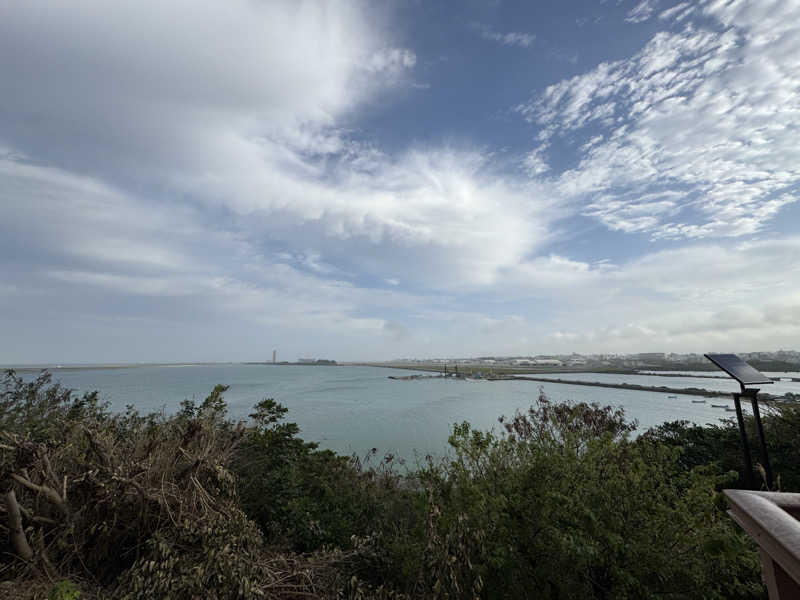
x: 771, y: 519
x: 779, y: 585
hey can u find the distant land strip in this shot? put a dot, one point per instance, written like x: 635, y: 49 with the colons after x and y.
x: 691, y: 391
x: 621, y: 386
x: 509, y: 370
x: 636, y: 387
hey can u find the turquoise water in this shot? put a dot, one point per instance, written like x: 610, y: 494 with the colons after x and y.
x: 354, y: 409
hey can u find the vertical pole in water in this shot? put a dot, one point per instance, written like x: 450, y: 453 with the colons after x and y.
x: 748, y: 462
x: 762, y: 441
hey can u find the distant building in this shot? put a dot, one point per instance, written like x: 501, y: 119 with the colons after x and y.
x: 315, y: 361
x: 274, y: 356
x: 550, y: 362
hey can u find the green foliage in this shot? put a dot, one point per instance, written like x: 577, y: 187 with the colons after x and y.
x: 720, y: 445
x: 37, y: 407
x: 64, y: 590
x: 567, y: 506
x: 560, y: 503
x: 146, y: 506
x: 312, y: 498
x: 219, y: 553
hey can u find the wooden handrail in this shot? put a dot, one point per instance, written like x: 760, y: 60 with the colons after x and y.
x: 771, y: 519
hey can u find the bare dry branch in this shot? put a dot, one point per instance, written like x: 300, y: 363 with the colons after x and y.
x: 48, y: 468
x: 48, y: 492
x: 16, y: 533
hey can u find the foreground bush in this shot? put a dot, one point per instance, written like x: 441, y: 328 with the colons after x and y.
x: 564, y: 504
x: 561, y: 503
x: 720, y: 445
x: 141, y: 506
x: 316, y: 498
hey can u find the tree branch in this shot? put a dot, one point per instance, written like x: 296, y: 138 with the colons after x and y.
x: 49, y: 492
x: 16, y: 533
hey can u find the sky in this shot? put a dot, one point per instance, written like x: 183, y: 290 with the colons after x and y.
x: 212, y: 181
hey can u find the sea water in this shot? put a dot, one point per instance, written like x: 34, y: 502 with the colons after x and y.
x: 354, y: 409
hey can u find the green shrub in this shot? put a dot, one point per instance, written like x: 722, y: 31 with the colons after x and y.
x: 564, y: 506
x: 146, y: 506
x: 720, y: 445
x: 310, y: 499
x: 64, y: 590
x: 559, y: 503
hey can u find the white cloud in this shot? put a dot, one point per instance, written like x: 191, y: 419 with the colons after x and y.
x: 392, y: 60
x: 687, y: 299
x: 184, y: 159
x: 511, y: 38
x: 191, y: 178
x: 678, y: 12
x: 535, y: 162
x: 696, y: 298
x: 128, y: 266
x: 709, y: 112
x: 642, y: 11
x: 70, y: 229
x: 147, y: 265
x: 166, y: 98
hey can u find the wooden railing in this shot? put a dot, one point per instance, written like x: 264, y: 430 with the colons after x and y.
x: 773, y: 520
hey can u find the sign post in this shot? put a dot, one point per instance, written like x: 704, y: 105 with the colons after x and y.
x: 746, y: 375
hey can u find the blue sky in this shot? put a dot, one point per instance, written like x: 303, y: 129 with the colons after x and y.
x: 185, y: 181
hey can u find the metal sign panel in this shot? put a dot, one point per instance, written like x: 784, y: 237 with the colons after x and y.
x: 738, y: 369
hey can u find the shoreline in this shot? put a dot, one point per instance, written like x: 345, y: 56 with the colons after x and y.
x: 509, y: 370
x: 692, y: 391
x: 639, y: 388
x: 506, y: 372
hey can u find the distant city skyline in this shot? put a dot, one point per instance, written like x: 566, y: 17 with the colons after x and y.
x: 784, y: 355
x: 208, y: 181
x: 788, y: 356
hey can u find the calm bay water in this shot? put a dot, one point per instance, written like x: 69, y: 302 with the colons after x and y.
x: 354, y: 409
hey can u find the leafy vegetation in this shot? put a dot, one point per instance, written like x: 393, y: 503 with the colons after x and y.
x: 563, y: 501
x: 720, y: 445
x: 134, y: 506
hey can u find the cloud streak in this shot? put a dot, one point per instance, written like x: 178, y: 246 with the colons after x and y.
x: 510, y: 38
x: 642, y: 11
x: 696, y: 131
